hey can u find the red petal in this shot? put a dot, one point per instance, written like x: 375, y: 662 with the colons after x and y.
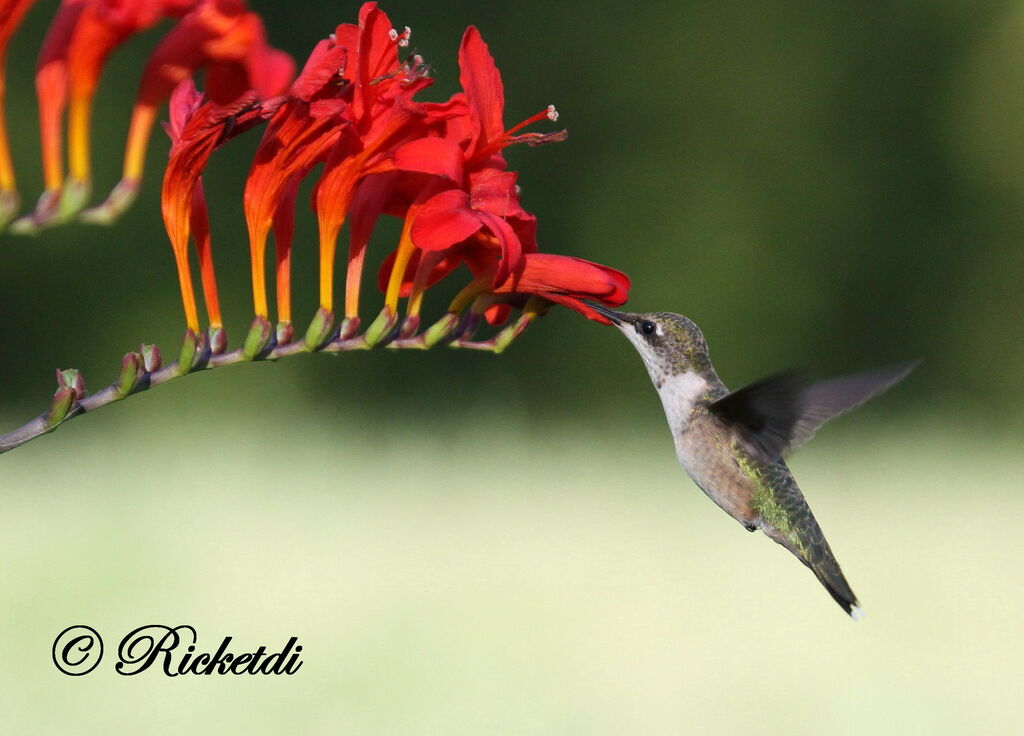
x: 327, y: 107
x: 525, y: 226
x: 376, y: 57
x: 284, y: 215
x: 58, y: 36
x: 223, y: 35
x: 346, y: 35
x: 185, y: 100
x: 575, y: 304
x: 270, y: 71
x: 511, y: 249
x: 367, y: 204
x: 378, y: 54
x: 11, y: 14
x: 482, y: 83
x: 444, y: 220
x: 545, y: 272
x: 437, y: 156
x: 452, y: 114
x: 494, y: 191
x: 323, y: 63
x: 497, y: 314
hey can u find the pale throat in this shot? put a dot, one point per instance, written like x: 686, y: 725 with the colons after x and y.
x: 679, y: 392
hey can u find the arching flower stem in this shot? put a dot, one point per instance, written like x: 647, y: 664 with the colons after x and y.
x: 142, y: 370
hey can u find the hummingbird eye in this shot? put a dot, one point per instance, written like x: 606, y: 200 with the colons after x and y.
x: 647, y: 328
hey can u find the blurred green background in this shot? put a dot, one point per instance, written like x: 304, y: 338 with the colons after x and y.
x: 471, y: 543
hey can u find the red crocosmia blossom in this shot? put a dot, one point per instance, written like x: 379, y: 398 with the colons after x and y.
x: 227, y: 39
x: 80, y: 39
x: 479, y: 195
x: 561, y: 279
x: 197, y: 127
x: 11, y: 14
x: 400, y: 193
x: 381, y: 116
x: 566, y: 280
x: 299, y: 136
x: 438, y: 166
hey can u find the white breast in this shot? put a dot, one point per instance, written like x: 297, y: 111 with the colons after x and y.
x: 678, y: 394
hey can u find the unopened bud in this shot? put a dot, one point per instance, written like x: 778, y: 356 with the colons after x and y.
x: 73, y: 380
x: 192, y: 346
x: 131, y: 367
x: 349, y: 328
x: 151, y: 358
x: 320, y: 328
x: 409, y: 326
x: 284, y: 332
x: 61, y: 405
x: 119, y: 200
x: 217, y: 339
x: 381, y: 328
x: 73, y: 197
x: 440, y: 329
x: 258, y: 339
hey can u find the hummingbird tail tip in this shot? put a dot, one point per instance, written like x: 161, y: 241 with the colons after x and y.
x: 857, y: 613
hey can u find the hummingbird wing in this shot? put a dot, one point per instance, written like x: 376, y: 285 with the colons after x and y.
x: 775, y: 415
x: 830, y: 398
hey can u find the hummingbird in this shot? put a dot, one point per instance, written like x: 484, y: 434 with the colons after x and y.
x: 732, y: 443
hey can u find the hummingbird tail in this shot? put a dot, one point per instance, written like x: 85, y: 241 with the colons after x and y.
x: 828, y: 573
x: 809, y: 546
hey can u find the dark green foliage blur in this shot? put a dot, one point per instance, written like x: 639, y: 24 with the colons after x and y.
x: 834, y: 185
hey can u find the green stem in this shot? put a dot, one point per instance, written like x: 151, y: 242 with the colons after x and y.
x: 134, y: 377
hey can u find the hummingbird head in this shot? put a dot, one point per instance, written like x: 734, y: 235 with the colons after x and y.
x: 668, y: 343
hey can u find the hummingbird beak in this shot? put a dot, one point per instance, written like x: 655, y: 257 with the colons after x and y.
x: 617, y: 318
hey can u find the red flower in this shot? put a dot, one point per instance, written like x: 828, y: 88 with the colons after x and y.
x: 565, y: 280
x: 197, y: 127
x: 11, y: 14
x: 438, y: 166
x: 348, y: 109
x: 478, y: 197
x: 298, y: 137
x: 80, y: 39
x: 561, y: 279
x: 485, y: 192
x: 380, y: 117
x: 226, y: 38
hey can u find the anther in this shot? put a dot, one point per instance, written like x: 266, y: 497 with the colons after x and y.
x: 552, y: 113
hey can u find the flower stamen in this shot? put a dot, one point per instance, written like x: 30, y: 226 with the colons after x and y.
x: 548, y: 113
x: 402, y: 39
